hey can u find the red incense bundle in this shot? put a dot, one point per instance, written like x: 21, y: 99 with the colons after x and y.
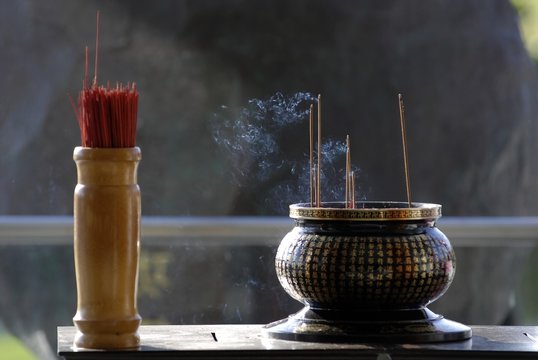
x: 106, y: 115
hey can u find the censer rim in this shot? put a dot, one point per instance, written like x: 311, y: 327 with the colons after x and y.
x: 391, y: 211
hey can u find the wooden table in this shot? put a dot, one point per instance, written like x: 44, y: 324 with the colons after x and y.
x: 249, y: 342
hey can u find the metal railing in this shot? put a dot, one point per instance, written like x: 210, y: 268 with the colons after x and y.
x: 237, y: 231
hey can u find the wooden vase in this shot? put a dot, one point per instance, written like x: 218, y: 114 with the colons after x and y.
x: 107, y: 211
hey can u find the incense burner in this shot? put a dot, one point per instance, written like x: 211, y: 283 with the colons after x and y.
x: 366, y: 274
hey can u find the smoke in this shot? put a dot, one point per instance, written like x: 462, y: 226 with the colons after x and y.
x: 267, y: 142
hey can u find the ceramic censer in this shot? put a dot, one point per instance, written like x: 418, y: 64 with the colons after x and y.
x: 366, y: 274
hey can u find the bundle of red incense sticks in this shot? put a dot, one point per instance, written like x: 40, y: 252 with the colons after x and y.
x: 106, y: 115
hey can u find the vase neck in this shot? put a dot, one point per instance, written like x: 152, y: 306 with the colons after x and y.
x: 112, y: 167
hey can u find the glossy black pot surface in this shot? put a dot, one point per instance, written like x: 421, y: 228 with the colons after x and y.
x: 366, y: 273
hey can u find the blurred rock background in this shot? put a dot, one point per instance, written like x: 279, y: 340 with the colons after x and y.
x: 470, y: 89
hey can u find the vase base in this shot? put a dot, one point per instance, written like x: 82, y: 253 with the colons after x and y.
x: 107, y: 334
x: 107, y: 341
x: 394, y: 326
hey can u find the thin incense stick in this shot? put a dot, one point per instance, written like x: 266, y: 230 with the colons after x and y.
x: 311, y: 152
x: 353, y: 189
x: 96, y: 50
x: 318, y: 179
x: 106, y: 115
x: 405, y: 152
x: 348, y: 172
x: 314, y: 180
x: 85, y: 81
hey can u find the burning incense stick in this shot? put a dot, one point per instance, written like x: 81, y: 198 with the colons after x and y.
x: 315, y: 169
x: 318, y: 180
x: 348, y: 173
x: 313, y: 178
x: 350, y: 178
x: 353, y: 189
x: 404, y: 145
x: 106, y: 115
x: 311, y: 154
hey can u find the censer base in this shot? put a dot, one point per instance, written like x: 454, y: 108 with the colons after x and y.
x: 394, y: 326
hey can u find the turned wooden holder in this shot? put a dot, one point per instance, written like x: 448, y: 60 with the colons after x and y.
x: 107, y: 244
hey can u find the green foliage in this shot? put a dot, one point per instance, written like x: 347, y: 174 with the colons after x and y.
x: 154, y: 279
x: 528, y: 15
x: 13, y: 349
x: 528, y: 293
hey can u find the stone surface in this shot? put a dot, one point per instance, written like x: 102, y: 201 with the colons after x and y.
x: 250, y: 342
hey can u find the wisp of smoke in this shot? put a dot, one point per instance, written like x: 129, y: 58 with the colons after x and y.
x: 250, y: 136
